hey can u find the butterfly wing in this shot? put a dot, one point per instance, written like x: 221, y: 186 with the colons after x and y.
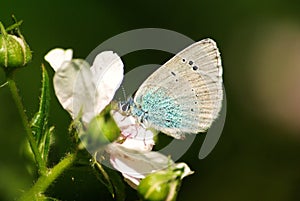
x: 185, y: 94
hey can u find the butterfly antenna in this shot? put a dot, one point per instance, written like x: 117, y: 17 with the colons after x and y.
x: 124, y: 92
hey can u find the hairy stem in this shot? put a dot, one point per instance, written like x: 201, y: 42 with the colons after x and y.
x: 14, y: 91
x: 46, y: 180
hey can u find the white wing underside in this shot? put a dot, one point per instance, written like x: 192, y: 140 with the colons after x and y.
x: 194, y: 79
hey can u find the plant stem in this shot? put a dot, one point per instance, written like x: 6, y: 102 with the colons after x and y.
x: 44, y: 181
x: 14, y: 91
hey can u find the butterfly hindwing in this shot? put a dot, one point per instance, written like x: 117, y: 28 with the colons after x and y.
x: 185, y: 94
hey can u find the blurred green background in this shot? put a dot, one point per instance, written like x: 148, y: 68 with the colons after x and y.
x: 258, y: 155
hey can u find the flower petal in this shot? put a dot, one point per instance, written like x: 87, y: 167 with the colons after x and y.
x: 186, y: 169
x: 56, y: 57
x: 136, y: 137
x: 107, y: 73
x: 75, y: 90
x: 135, y: 165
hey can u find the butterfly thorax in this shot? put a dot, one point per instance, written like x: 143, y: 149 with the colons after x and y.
x: 130, y: 108
x: 154, y: 109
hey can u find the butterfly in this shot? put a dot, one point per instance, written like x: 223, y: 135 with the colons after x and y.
x: 184, y: 96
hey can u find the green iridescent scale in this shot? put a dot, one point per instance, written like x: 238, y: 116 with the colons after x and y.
x: 159, y: 109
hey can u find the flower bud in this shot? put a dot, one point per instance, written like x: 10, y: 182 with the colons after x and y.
x: 100, y: 131
x: 157, y: 186
x: 163, y: 185
x: 14, y: 51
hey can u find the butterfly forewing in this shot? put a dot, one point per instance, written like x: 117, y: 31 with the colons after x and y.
x: 185, y: 94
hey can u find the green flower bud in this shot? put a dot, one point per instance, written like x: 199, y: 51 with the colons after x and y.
x: 100, y: 131
x: 14, y: 51
x: 163, y: 185
x: 156, y: 187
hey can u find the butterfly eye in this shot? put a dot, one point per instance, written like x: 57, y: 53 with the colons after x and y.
x: 124, y: 106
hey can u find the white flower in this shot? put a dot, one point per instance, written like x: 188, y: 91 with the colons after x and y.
x: 86, y: 90
x: 81, y: 88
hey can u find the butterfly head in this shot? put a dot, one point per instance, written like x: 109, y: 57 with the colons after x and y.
x: 125, y: 106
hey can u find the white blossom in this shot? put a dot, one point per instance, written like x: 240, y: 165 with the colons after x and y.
x: 81, y: 88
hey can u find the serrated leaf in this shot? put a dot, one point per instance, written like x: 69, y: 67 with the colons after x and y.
x: 111, y: 179
x: 47, y: 142
x: 39, y: 123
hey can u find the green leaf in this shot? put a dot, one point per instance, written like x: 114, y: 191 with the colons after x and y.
x: 39, y: 123
x: 111, y: 179
x: 47, y: 142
